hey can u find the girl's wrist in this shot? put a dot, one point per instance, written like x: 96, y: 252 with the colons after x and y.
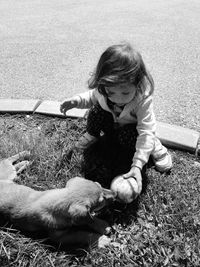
x: 135, y: 167
x: 74, y: 101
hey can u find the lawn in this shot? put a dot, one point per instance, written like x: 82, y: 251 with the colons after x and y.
x: 161, y: 228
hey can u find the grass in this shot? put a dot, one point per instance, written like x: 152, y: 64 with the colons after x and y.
x: 162, y: 228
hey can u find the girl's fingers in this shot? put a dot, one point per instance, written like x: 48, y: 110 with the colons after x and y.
x: 138, y: 179
x: 63, y: 110
x: 127, y: 175
x: 62, y: 107
x: 139, y: 182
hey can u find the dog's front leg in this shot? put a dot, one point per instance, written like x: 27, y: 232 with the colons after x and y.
x: 78, y: 238
x: 99, y: 226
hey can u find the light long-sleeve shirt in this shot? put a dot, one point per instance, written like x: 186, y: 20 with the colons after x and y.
x: 138, y: 111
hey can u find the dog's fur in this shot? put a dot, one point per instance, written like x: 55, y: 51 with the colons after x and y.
x: 55, y: 211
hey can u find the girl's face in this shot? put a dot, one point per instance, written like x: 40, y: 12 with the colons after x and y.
x: 121, y: 94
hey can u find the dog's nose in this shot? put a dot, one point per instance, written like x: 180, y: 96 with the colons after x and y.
x: 109, y: 194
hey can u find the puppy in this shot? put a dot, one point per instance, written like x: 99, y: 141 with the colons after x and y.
x: 55, y: 211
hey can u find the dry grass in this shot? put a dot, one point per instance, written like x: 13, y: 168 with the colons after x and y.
x: 161, y: 229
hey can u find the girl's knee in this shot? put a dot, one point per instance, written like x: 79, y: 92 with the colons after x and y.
x: 158, y: 149
x: 98, y: 120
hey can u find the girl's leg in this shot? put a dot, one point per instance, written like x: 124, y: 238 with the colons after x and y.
x: 161, y: 157
x: 127, y: 136
x: 98, y: 120
x: 125, y: 139
x: 111, y: 155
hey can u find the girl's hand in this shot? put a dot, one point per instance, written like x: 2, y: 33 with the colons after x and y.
x: 68, y: 104
x: 136, y: 173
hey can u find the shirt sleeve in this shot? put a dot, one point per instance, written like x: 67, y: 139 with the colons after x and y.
x: 146, y: 127
x: 86, y: 99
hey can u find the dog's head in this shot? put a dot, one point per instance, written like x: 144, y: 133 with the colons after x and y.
x: 88, y: 197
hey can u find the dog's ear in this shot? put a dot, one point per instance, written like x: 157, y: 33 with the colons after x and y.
x: 74, y: 181
x: 98, y: 184
x: 109, y: 194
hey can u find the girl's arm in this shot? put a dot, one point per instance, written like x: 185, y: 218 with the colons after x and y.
x: 145, y: 141
x: 83, y: 100
x: 87, y: 99
x: 146, y: 127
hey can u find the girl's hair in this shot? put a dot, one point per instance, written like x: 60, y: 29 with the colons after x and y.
x: 121, y: 64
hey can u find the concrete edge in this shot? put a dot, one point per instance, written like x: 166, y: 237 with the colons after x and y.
x: 18, y: 105
x: 172, y: 136
x: 52, y: 108
x: 178, y: 137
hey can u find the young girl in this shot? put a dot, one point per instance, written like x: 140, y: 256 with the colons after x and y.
x: 121, y: 107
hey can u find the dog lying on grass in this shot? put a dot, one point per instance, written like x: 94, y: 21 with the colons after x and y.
x: 55, y: 211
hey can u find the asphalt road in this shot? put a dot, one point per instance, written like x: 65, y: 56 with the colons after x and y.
x: 49, y: 47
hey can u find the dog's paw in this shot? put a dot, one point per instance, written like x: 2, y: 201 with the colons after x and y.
x: 108, y: 230
x: 103, y: 241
